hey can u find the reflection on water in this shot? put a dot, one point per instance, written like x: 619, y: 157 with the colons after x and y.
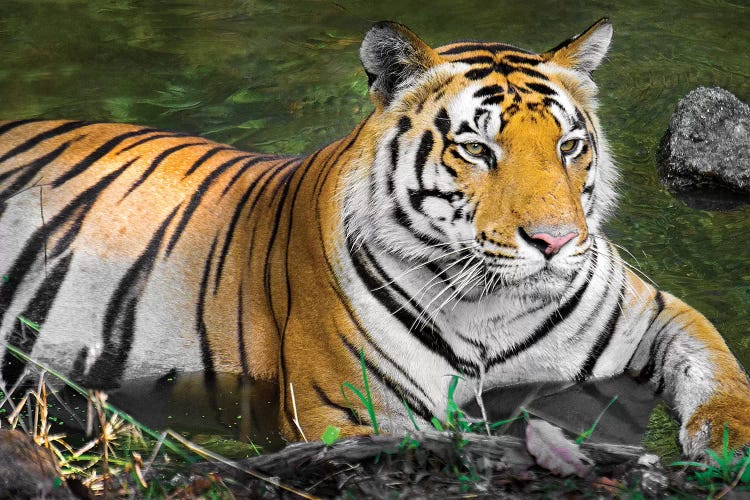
x: 284, y: 77
x: 225, y: 405
x: 247, y: 409
x: 575, y: 407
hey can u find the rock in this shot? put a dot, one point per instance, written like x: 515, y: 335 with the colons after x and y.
x: 704, y: 157
x: 654, y: 483
x: 28, y: 470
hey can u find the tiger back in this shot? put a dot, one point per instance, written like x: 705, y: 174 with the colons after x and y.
x: 456, y: 231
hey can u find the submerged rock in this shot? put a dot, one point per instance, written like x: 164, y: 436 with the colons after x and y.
x: 704, y: 157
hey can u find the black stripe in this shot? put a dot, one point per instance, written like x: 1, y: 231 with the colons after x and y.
x: 494, y: 100
x: 236, y: 216
x: 521, y: 59
x: 489, y: 90
x: 241, y: 333
x: 475, y: 45
x: 465, y: 128
x: 416, y: 404
x: 30, y: 170
x: 528, y: 72
x: 417, y: 197
x: 303, y: 170
x: 404, y: 124
x: 602, y: 340
x: 208, y: 154
x: 283, y: 186
x: 15, y: 124
x: 400, y: 217
x: 479, y: 73
x: 244, y: 169
x: 351, y: 414
x: 156, y: 162
x: 640, y: 376
x: 520, y: 315
x: 405, y: 374
x: 37, y: 241
x: 382, y: 284
x: 550, y: 102
x: 34, y: 141
x: 662, y: 372
x: 362, y: 331
x: 333, y: 160
x: 659, y: 299
x: 118, y: 329
x: 423, y: 152
x: 443, y: 123
x: 553, y: 320
x: 274, y: 171
x: 97, y: 155
x: 37, y: 310
x: 479, y: 113
x: 477, y: 60
x: 593, y: 138
x: 74, y: 227
x: 200, y: 322
x: 579, y: 122
x: 64, y: 242
x: 196, y: 199
x: 394, y: 299
x: 149, y: 139
x: 541, y: 88
x: 657, y: 339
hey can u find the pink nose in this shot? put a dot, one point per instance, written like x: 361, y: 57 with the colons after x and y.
x: 549, y: 244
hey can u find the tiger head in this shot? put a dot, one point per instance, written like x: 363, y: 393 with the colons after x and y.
x: 484, y: 152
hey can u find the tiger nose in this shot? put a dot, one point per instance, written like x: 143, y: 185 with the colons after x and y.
x: 546, y: 243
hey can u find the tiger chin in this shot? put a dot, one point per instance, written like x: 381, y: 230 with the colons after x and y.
x: 456, y: 230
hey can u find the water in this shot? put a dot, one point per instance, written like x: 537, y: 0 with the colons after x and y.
x: 285, y: 78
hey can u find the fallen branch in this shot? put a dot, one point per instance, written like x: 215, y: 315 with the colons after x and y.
x: 295, y: 458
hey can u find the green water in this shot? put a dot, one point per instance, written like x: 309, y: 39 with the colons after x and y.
x: 285, y: 77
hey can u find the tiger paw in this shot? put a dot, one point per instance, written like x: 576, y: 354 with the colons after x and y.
x: 706, y: 427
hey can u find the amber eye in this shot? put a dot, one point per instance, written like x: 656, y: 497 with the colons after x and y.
x: 569, y: 146
x: 475, y: 148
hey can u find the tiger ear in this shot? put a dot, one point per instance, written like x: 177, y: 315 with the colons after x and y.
x: 393, y: 57
x: 585, y: 51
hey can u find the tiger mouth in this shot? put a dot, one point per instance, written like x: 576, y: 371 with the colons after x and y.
x: 514, y: 270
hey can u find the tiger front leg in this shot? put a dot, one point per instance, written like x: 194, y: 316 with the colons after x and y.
x: 687, y: 361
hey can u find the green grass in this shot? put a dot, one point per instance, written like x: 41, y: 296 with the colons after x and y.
x: 661, y: 436
x: 365, y: 398
x: 729, y: 471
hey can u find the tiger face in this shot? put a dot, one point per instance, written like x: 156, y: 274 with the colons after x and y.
x: 490, y: 159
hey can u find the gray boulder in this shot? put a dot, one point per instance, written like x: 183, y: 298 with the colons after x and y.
x: 704, y: 158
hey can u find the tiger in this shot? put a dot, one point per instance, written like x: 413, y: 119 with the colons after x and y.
x: 457, y: 230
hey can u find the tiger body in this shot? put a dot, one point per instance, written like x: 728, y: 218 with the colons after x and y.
x: 455, y: 231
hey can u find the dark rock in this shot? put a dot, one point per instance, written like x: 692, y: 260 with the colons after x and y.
x: 704, y: 157
x: 28, y: 470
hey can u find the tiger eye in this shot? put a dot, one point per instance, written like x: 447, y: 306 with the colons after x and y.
x: 569, y: 145
x: 475, y: 148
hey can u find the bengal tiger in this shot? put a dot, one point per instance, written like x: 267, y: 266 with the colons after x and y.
x: 456, y: 230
